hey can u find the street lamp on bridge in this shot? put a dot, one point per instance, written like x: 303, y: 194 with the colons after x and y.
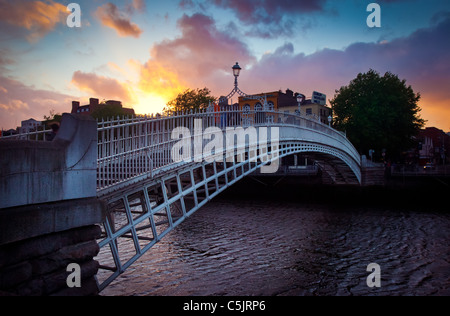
x: 300, y: 99
x: 236, y: 72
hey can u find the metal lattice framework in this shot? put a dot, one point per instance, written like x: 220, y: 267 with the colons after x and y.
x: 149, y: 194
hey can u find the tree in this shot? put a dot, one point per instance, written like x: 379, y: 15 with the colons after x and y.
x: 52, y: 117
x: 190, y: 100
x: 109, y: 112
x: 379, y: 113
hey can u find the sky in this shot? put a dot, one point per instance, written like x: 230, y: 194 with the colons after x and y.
x: 146, y: 52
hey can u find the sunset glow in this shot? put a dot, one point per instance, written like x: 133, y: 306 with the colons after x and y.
x: 144, y: 53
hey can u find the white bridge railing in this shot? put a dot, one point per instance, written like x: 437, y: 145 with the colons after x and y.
x: 140, y: 147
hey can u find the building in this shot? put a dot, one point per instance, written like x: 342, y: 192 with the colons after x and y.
x: 30, y: 125
x: 287, y: 103
x: 311, y: 109
x: 9, y: 132
x: 434, y: 146
x: 94, y: 105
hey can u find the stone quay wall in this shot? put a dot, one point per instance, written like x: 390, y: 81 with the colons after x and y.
x: 49, y: 213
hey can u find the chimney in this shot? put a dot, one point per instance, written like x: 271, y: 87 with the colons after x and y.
x: 75, y: 106
x: 93, y: 102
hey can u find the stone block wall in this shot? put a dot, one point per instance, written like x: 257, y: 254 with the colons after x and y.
x: 49, y: 212
x: 38, y: 242
x: 38, y: 266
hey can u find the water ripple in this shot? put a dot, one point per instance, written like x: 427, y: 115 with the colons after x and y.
x: 285, y: 248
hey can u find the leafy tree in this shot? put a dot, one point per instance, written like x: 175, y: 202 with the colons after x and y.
x: 190, y: 100
x: 108, y: 112
x: 379, y: 113
x: 52, y: 117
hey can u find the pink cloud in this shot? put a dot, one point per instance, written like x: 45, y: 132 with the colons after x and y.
x: 37, y: 17
x: 139, y: 5
x: 102, y: 87
x: 110, y: 16
x: 19, y: 102
x: 200, y: 57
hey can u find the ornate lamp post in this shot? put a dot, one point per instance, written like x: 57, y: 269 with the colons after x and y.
x: 236, y: 72
x: 300, y: 99
x: 329, y: 120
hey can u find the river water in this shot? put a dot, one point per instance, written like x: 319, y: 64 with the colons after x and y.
x: 257, y: 245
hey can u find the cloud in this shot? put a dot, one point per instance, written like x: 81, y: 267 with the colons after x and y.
x: 200, y: 57
x: 102, y: 87
x: 139, y: 5
x: 37, y: 17
x: 19, y: 102
x: 112, y: 17
x: 271, y: 18
x: 269, y: 11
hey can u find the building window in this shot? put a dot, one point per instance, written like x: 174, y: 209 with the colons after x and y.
x: 309, y: 111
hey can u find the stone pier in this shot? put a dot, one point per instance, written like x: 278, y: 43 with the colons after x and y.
x: 49, y: 213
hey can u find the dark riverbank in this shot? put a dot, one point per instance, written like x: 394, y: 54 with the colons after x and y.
x: 410, y: 192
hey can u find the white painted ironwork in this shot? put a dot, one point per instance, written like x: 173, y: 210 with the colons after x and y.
x: 134, y: 149
x: 41, y: 133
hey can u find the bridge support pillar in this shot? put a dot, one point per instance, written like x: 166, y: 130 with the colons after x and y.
x: 49, y: 213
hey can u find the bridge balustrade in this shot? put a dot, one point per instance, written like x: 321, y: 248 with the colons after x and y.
x: 139, y: 147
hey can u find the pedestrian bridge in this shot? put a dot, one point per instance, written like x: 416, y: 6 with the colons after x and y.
x: 154, y: 172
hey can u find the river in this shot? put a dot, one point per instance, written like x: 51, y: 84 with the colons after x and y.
x: 257, y: 244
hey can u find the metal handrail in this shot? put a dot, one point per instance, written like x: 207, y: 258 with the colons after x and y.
x: 129, y: 147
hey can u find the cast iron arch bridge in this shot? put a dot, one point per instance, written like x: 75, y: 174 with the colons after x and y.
x: 150, y: 187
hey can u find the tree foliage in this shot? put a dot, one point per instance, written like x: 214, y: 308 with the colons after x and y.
x: 379, y: 113
x: 52, y: 117
x: 109, y: 112
x: 190, y: 100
